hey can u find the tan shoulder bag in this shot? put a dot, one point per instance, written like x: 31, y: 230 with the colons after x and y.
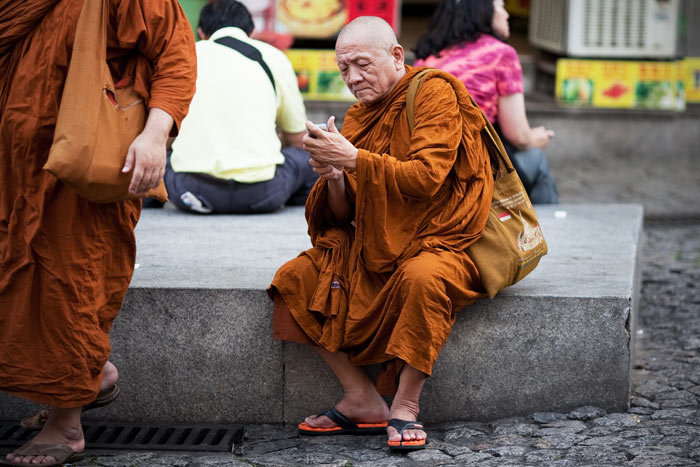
x: 97, y: 122
x: 512, y: 243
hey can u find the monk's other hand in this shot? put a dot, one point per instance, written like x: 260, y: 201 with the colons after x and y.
x: 329, y: 147
x: 326, y: 171
x: 146, y: 155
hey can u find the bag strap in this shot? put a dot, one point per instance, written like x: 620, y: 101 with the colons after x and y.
x: 248, y: 51
x: 494, y: 143
x: 488, y: 133
x: 90, y: 40
x: 411, y: 97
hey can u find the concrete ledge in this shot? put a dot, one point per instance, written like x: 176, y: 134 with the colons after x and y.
x: 193, y: 341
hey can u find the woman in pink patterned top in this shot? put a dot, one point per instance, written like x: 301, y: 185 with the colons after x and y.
x: 465, y: 38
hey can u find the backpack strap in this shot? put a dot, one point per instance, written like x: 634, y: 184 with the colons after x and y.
x: 250, y: 52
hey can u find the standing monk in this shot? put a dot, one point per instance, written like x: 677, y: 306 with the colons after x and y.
x: 390, y: 221
x: 66, y: 263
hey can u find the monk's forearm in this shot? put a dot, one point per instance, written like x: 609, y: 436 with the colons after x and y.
x: 338, y: 202
x: 158, y: 125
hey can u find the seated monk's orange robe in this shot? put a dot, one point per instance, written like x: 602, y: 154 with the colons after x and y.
x: 66, y: 263
x: 389, y: 287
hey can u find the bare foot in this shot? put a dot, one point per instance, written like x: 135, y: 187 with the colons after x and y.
x: 110, y: 375
x: 369, y: 408
x: 405, y: 411
x: 62, y: 427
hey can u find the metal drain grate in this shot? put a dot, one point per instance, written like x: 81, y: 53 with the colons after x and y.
x: 129, y: 436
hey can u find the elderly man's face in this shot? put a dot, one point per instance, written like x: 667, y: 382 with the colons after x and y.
x: 370, y: 73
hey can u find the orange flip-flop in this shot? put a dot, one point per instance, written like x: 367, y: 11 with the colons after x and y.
x: 406, y: 445
x: 344, y: 426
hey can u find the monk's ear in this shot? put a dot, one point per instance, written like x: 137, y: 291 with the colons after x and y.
x: 397, y: 55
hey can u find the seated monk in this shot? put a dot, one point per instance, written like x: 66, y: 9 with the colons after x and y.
x: 390, y: 220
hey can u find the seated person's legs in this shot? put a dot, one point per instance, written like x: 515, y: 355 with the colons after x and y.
x: 432, y: 288
x: 291, y: 184
x: 418, y: 306
x: 533, y: 169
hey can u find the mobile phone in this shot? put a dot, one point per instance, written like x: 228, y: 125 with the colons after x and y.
x: 322, y: 126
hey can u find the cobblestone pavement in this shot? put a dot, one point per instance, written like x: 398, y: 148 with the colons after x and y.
x: 662, y: 427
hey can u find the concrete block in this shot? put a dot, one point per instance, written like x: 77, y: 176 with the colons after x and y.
x: 196, y: 355
x: 193, y: 341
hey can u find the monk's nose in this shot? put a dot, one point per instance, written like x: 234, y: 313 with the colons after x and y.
x: 354, y: 76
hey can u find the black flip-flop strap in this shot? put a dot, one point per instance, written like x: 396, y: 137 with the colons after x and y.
x: 340, y: 419
x: 402, y: 425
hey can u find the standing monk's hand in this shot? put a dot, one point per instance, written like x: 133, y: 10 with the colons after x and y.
x: 329, y: 147
x: 146, y: 154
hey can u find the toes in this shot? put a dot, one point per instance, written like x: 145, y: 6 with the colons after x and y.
x: 393, y: 434
x: 30, y: 460
x: 317, y: 421
x: 413, y: 435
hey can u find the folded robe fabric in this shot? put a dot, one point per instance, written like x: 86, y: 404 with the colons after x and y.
x: 389, y: 285
x: 65, y: 263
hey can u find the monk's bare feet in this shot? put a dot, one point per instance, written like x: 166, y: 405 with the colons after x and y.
x: 404, y: 410
x: 62, y: 427
x: 368, y: 407
x: 110, y: 375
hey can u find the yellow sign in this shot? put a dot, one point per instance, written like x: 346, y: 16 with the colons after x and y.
x: 620, y: 84
x: 318, y: 75
x: 691, y: 73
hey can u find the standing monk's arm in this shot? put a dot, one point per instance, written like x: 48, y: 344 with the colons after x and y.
x: 161, y: 33
x: 149, y: 150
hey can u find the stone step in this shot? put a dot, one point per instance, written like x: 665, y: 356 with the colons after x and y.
x: 193, y: 341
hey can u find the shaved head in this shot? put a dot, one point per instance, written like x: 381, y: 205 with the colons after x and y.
x: 369, y: 58
x: 370, y: 31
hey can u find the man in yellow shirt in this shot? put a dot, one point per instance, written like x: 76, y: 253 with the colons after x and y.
x: 239, y: 149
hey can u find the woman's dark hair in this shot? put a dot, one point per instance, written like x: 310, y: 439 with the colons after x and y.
x: 454, y: 22
x: 225, y: 13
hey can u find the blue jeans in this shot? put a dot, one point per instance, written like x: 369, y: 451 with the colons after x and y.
x: 533, y: 169
x: 203, y: 193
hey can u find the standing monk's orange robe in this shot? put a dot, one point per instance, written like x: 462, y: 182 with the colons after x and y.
x: 389, y: 287
x: 66, y: 263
